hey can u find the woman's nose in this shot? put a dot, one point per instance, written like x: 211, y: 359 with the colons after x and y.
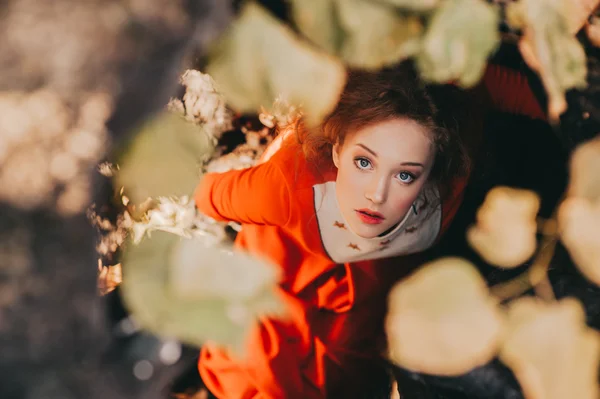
x: 378, y: 191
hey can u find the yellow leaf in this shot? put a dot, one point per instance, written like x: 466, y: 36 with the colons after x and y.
x: 376, y: 36
x: 553, y: 354
x: 259, y: 59
x: 550, y: 47
x: 584, y: 179
x: 318, y: 21
x: 179, y: 288
x: 201, y: 273
x: 579, y: 11
x: 163, y: 159
x: 506, y: 227
x: 441, y: 320
x: 365, y: 34
x: 579, y: 226
x: 593, y: 31
x: 460, y: 36
x: 414, y: 5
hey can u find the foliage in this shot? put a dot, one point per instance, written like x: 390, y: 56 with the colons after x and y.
x: 163, y: 159
x: 550, y: 47
x: 178, y: 266
x: 450, y: 332
x: 364, y: 34
x: 537, y: 331
x: 181, y: 288
x: 460, y: 37
x: 538, y: 334
x: 506, y: 227
x: 172, y: 292
x: 450, y: 41
x: 259, y: 59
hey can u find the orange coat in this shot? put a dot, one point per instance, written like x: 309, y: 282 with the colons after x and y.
x: 334, y: 282
x: 289, y: 215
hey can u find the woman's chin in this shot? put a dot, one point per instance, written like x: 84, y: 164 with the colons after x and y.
x: 367, y: 231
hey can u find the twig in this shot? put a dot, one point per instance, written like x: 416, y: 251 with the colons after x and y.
x: 535, y: 277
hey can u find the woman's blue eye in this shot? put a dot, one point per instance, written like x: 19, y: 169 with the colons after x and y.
x: 362, y: 163
x: 405, y: 177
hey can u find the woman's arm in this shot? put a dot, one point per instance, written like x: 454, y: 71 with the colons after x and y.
x: 257, y: 195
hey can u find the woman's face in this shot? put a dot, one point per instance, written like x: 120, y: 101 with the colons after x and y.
x: 381, y: 171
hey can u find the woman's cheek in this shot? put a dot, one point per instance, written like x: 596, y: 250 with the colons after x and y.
x: 403, y: 199
x: 354, y: 183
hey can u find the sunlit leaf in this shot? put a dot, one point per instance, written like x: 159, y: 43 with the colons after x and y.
x: 593, y: 31
x: 579, y: 11
x: 506, y: 227
x: 375, y: 35
x: 173, y: 215
x: 204, y: 105
x: 163, y: 158
x: 179, y: 288
x: 553, y: 354
x: 413, y: 5
x: 363, y: 33
x: 318, y: 21
x: 579, y: 224
x: 550, y: 47
x: 584, y: 179
x: 460, y: 37
x: 441, y: 320
x: 260, y: 59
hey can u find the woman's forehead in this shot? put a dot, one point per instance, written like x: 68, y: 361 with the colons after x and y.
x: 393, y: 137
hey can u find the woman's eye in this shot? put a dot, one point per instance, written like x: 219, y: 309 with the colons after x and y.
x: 362, y: 163
x: 405, y: 177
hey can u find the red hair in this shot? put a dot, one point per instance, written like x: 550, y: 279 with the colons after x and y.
x: 372, y: 97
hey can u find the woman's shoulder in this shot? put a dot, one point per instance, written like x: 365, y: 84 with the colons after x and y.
x: 286, y: 152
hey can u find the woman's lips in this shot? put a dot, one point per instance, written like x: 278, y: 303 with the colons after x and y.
x: 369, y: 217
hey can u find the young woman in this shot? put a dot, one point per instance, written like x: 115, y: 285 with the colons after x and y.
x: 380, y: 179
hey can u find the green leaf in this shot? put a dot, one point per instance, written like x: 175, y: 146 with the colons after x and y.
x: 364, y: 34
x: 414, y: 5
x: 459, y: 39
x: 551, y: 48
x: 318, y: 21
x: 163, y: 158
x: 260, y: 59
x: 182, y: 289
x: 376, y: 35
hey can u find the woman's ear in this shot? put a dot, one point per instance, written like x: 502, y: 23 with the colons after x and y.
x: 335, y: 154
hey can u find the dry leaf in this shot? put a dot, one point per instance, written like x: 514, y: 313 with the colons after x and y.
x: 579, y: 12
x: 460, y: 37
x: 550, y: 48
x: 260, y: 59
x: 506, y: 227
x: 317, y: 21
x: 414, y: 5
x: 579, y: 224
x: 203, y: 105
x: 441, y: 320
x: 177, y: 288
x: 163, y: 158
x: 593, y: 31
x: 239, y: 277
x: 376, y: 35
x: 365, y: 34
x: 553, y: 354
x: 584, y: 179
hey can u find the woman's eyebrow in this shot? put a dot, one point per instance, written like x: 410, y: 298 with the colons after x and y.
x: 367, y: 149
x: 403, y: 163
x: 412, y: 164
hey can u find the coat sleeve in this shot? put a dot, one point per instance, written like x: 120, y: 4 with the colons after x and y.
x: 257, y: 195
x: 508, y: 90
